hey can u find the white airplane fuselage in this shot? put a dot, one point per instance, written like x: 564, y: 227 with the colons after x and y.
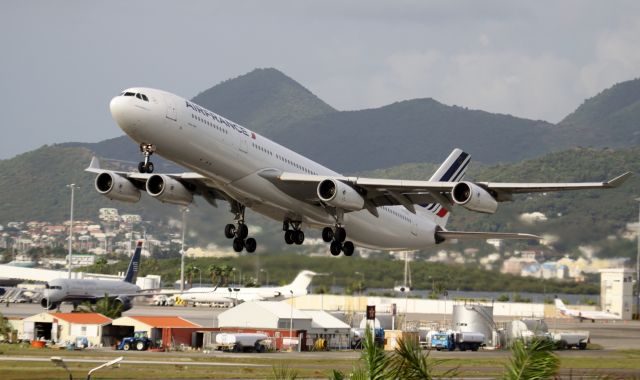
x: 77, y: 291
x: 233, y: 158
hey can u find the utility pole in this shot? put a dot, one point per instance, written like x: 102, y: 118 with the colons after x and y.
x: 638, y: 266
x: 184, y: 229
x: 73, y: 187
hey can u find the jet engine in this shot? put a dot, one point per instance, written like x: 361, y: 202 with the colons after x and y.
x: 46, y: 304
x: 340, y: 195
x: 125, y: 302
x: 474, y: 198
x: 115, y: 186
x: 168, y: 190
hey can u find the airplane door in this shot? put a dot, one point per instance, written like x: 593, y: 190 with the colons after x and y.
x: 414, y: 227
x: 171, y: 108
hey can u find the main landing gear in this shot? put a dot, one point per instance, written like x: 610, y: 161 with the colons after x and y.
x: 292, y: 235
x: 239, y: 232
x: 337, y: 237
x: 147, y: 150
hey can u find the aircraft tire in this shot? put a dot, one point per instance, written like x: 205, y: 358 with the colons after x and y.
x: 238, y: 245
x: 288, y: 237
x: 250, y: 245
x: 141, y: 167
x: 243, y: 231
x: 340, y: 235
x: 149, y: 168
x: 335, y: 248
x: 298, y: 237
x: 348, y: 248
x: 327, y: 234
x: 229, y: 231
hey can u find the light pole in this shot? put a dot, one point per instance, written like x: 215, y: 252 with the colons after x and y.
x: 184, y: 229
x: 105, y: 365
x: 72, y: 187
x: 200, y: 273
x: 57, y: 360
x: 638, y: 266
x: 266, y: 272
x: 291, y: 320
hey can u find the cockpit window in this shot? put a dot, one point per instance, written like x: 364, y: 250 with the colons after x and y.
x: 144, y: 97
x: 129, y: 94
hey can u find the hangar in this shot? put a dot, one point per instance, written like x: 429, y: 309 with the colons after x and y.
x: 80, y: 328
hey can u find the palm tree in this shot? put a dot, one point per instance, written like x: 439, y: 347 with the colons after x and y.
x: 189, y: 272
x: 225, y: 273
x: 534, y: 360
x: 215, y: 272
x: 107, y: 306
x: 410, y: 362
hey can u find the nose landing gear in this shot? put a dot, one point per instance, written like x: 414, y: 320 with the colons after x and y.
x: 147, y: 150
x: 239, y: 232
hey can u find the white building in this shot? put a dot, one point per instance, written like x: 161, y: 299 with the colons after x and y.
x: 616, y: 291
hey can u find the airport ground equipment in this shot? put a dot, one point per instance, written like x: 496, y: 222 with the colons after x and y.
x: 457, y: 340
x: 567, y: 340
x: 139, y: 341
x: 357, y: 337
x: 242, y: 342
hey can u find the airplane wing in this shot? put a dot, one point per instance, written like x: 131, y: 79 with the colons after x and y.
x: 196, y: 183
x: 407, y: 193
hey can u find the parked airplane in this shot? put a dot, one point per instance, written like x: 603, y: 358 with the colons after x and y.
x: 80, y: 290
x: 235, y: 295
x: 584, y: 314
x: 230, y: 162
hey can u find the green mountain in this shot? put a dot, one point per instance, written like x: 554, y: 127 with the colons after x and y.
x: 264, y: 100
x: 611, y: 118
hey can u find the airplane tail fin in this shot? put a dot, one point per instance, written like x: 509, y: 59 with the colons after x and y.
x: 134, y: 265
x: 302, y: 280
x: 451, y: 170
x: 559, y: 304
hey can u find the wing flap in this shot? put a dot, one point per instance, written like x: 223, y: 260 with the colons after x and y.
x: 485, y: 235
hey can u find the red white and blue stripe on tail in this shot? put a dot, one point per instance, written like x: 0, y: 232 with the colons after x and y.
x: 451, y: 170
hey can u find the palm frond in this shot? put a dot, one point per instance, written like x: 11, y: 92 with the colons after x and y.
x: 532, y: 361
x: 410, y: 362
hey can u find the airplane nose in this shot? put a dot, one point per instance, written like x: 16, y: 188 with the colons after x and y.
x: 118, y: 108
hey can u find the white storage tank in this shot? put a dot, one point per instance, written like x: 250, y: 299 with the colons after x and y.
x: 475, y: 318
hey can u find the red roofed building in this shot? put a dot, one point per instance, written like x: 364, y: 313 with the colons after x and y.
x: 163, y: 331
x: 79, y: 328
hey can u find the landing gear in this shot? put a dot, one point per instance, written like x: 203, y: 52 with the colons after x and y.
x: 239, y: 232
x: 293, y: 235
x: 147, y: 150
x: 337, y: 237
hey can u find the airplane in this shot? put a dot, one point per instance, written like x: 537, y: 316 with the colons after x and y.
x: 76, y: 291
x: 235, y: 295
x: 584, y: 314
x: 232, y: 163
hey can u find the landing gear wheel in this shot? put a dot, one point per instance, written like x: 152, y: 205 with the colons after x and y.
x: 298, y: 237
x: 288, y: 237
x: 348, y: 248
x: 141, y: 167
x: 238, y: 245
x: 340, y: 235
x: 243, y: 231
x: 229, y: 231
x: 250, y: 245
x: 149, y: 168
x: 335, y: 248
x: 327, y: 234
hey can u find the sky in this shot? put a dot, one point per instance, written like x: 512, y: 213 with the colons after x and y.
x: 62, y: 61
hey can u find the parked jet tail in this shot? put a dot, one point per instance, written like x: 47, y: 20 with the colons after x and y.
x: 451, y: 170
x: 134, y: 265
x: 302, y: 280
x: 560, y: 305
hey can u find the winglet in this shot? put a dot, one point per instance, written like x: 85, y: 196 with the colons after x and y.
x: 94, y: 166
x: 619, y: 180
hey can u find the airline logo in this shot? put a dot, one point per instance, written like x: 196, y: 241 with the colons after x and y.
x: 453, y: 174
x: 219, y: 119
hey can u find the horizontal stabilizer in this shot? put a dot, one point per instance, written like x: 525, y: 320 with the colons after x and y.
x: 447, y: 235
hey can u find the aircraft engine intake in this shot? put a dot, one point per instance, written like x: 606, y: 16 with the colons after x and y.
x: 474, y: 198
x: 46, y: 304
x: 340, y: 195
x: 168, y: 190
x: 125, y: 302
x: 116, y: 187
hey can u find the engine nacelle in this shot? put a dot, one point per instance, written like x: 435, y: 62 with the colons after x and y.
x: 474, y: 198
x: 46, y: 304
x: 168, y: 190
x: 115, y: 186
x: 125, y: 302
x: 340, y: 195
